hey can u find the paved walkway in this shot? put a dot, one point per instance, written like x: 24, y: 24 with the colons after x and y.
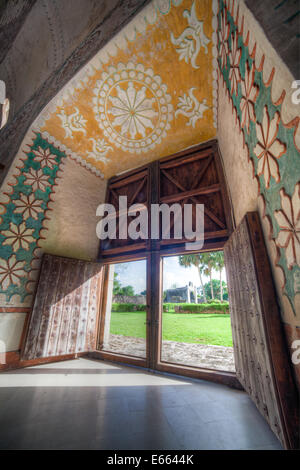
x: 199, y: 355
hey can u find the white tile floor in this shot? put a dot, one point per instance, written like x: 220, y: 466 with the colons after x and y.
x: 87, y: 404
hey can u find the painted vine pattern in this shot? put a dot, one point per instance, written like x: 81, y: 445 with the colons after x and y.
x: 22, y: 217
x: 270, y: 142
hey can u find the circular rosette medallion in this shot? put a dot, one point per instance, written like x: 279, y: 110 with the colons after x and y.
x: 132, y: 107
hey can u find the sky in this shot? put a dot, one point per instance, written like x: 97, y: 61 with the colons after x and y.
x: 134, y: 274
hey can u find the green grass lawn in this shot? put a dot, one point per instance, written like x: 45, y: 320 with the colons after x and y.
x: 201, y: 328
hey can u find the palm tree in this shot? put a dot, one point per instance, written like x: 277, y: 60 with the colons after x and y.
x: 209, y: 262
x: 194, y: 260
x: 219, y: 266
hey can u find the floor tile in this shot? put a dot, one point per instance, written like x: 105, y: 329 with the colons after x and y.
x: 108, y: 406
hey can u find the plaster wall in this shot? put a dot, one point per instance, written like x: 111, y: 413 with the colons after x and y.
x: 71, y: 228
x: 252, y: 69
x: 11, y: 328
x: 238, y: 170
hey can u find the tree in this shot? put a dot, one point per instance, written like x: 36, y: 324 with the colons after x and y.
x: 198, y: 261
x: 216, y: 289
x: 117, y: 285
x: 121, y: 290
x: 219, y: 266
x: 209, y: 262
x: 127, y: 290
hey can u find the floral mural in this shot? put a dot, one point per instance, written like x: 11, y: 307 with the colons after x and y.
x: 192, y: 39
x: 270, y: 142
x: 132, y: 107
x: 131, y: 103
x: 134, y: 100
x: 288, y: 219
x: 23, y: 215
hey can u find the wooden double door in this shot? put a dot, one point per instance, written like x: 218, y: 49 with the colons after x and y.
x: 72, y: 299
x: 193, y: 178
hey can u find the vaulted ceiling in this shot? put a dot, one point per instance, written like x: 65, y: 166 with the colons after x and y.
x: 43, y: 45
x: 150, y: 92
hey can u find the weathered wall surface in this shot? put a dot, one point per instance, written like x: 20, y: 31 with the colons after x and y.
x: 282, y: 31
x: 47, y: 205
x: 45, y: 48
x: 29, y: 62
x: 259, y: 138
x: 71, y: 228
x: 235, y: 159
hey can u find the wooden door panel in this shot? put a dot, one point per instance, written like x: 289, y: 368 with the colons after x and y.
x: 261, y: 356
x: 196, y: 179
x: 135, y: 186
x: 194, y: 176
x: 65, y: 310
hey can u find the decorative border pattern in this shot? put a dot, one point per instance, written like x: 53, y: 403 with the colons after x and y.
x: 270, y: 142
x: 23, y: 211
x: 69, y: 153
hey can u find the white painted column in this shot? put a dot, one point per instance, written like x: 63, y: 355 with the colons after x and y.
x: 188, y: 295
x: 195, y: 295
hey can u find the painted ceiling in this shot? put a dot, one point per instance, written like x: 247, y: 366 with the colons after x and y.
x: 149, y: 93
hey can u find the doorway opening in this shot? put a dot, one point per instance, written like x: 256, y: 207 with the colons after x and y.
x: 193, y: 177
x: 196, y: 327
x: 125, y: 323
x: 189, y: 327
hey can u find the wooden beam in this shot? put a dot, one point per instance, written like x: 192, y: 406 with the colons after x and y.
x: 13, y: 360
x: 126, y: 248
x: 130, y: 179
x: 199, y: 177
x: 208, y: 212
x: 207, y: 236
x: 194, y: 157
x: 192, y: 192
x: 136, y: 192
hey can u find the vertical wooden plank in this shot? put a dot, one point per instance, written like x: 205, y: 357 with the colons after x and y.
x: 93, y: 307
x: 74, y: 302
x: 153, y: 277
x: 102, y: 313
x: 52, y: 279
x: 234, y: 324
x: 57, y: 310
x: 29, y: 347
x: 66, y: 306
x: 83, y: 310
x: 72, y: 339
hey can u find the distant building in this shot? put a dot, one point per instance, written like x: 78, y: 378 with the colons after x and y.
x: 186, y: 294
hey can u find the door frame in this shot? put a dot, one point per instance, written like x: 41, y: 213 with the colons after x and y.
x: 119, y: 357
x: 213, y: 375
